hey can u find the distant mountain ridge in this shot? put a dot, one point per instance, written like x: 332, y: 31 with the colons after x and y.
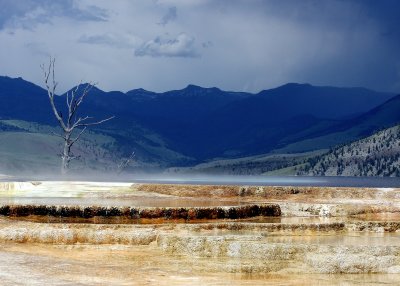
x: 195, y: 124
x: 376, y: 155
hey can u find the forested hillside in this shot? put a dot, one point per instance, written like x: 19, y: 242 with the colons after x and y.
x: 376, y: 155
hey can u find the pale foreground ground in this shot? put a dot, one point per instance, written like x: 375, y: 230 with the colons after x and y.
x: 22, y: 264
x: 324, y: 236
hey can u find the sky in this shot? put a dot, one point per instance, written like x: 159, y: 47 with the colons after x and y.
x: 237, y: 45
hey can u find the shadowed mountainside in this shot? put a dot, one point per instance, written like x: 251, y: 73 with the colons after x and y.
x: 376, y: 155
x: 195, y: 124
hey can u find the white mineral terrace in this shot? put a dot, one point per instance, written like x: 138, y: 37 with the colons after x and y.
x: 85, y: 233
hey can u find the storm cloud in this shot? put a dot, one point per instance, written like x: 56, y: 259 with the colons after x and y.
x: 28, y: 13
x: 169, y: 16
x: 241, y: 45
x: 181, y: 46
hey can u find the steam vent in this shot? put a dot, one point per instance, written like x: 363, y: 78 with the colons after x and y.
x: 86, y: 233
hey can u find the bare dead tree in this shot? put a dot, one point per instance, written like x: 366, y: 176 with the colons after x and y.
x: 125, y: 162
x: 73, y: 126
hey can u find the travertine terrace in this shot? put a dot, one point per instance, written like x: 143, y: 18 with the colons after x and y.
x: 122, y: 233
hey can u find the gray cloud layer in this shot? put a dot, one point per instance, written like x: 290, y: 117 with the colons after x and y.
x: 27, y: 13
x: 181, y: 46
x: 237, y: 45
x: 169, y: 16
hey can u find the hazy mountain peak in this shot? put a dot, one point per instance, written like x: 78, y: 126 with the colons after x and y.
x: 4, y: 77
x: 193, y: 86
x: 296, y: 84
x: 141, y: 94
x: 138, y: 90
x: 288, y: 86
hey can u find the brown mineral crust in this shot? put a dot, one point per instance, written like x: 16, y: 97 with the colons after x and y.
x: 5, y: 210
x: 268, y: 192
x: 373, y: 226
x: 176, y: 213
x: 134, y: 213
x: 190, y: 190
x: 234, y: 212
x: 191, y: 214
x: 88, y: 212
x: 151, y: 213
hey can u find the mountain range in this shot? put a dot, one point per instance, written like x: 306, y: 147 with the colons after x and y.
x: 375, y: 155
x: 196, y: 125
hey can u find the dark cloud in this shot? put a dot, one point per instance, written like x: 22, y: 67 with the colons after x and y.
x: 386, y: 14
x: 238, y: 44
x: 27, y: 13
x: 171, y: 15
x: 351, y: 42
x: 181, y: 46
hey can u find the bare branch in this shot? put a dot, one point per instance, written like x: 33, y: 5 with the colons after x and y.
x: 79, y: 121
x: 92, y: 123
x: 69, y: 122
x: 74, y: 103
x: 51, y: 90
x: 59, y: 135
x: 124, y: 163
x: 77, y: 137
x: 73, y: 157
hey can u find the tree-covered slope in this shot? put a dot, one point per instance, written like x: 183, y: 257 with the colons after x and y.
x: 376, y: 155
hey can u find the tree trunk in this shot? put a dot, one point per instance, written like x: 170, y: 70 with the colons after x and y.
x: 64, y: 160
x: 66, y: 156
